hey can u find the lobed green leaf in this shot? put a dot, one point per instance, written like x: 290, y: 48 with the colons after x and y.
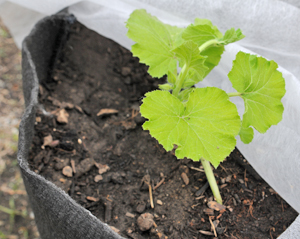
x: 154, y: 42
x: 262, y: 87
x: 183, y: 95
x: 246, y: 134
x: 201, y: 32
x: 166, y: 86
x: 213, y: 55
x: 199, y: 21
x: 204, y: 127
x: 171, y: 78
x: 232, y: 35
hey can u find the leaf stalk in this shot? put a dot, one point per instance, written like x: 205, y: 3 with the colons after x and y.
x: 208, y: 44
x: 234, y: 94
x: 211, y: 180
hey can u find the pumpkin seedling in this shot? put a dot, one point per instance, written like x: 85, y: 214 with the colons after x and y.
x: 202, y: 122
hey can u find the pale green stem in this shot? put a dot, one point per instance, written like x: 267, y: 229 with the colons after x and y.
x: 207, y: 44
x: 10, y: 211
x: 234, y: 94
x: 7, y: 210
x: 180, y: 80
x: 211, y: 180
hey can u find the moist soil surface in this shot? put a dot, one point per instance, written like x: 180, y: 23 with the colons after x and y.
x: 90, y: 142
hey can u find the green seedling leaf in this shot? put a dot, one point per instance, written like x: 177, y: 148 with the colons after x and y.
x: 154, y: 42
x: 210, y: 40
x: 166, y: 86
x: 246, y: 134
x: 171, y: 77
x: 189, y: 55
x: 204, y: 127
x: 232, y: 35
x: 184, y: 94
x: 201, y: 33
x: 213, y: 55
x: 199, y: 21
x: 262, y: 88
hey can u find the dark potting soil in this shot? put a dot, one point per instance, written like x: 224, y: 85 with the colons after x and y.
x: 91, y: 144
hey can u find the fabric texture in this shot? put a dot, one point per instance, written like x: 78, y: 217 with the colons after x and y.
x: 57, y: 215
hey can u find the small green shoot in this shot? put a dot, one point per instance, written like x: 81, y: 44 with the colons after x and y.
x: 12, y: 212
x: 202, y: 122
x: 2, y: 235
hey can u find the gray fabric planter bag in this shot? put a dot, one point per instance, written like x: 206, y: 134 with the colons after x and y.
x: 57, y: 215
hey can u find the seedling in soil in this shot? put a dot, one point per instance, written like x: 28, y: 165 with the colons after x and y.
x: 202, y: 122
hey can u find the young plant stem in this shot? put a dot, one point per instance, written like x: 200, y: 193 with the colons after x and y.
x: 208, y: 44
x: 180, y: 80
x: 211, y: 180
x: 234, y: 94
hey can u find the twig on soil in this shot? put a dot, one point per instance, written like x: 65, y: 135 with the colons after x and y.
x: 197, y: 169
x: 134, y: 113
x: 245, y: 178
x: 233, y: 236
x: 198, y: 198
x: 151, y: 197
x: 9, y: 191
x: 159, y: 183
x: 202, y: 190
x: 146, y: 179
x: 73, y: 165
x: 223, y: 168
x: 273, y: 229
x: 251, y: 209
x: 213, y: 227
x: 107, y: 198
x: 206, y: 233
x: 195, y: 205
